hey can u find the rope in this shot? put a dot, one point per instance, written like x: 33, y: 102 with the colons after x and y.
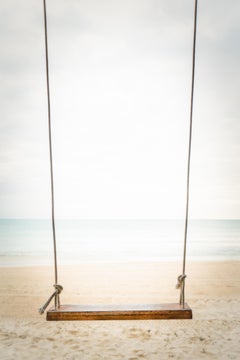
x: 180, y: 285
x: 181, y: 278
x: 50, y: 153
x: 56, y: 293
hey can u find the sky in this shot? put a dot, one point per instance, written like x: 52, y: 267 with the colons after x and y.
x: 120, y: 78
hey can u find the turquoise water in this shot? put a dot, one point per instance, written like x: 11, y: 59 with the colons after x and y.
x: 29, y: 242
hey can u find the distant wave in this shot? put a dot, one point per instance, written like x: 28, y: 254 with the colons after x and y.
x: 30, y: 241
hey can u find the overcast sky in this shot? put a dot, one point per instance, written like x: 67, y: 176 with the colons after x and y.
x: 120, y: 76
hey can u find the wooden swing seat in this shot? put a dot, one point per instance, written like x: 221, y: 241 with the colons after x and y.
x: 120, y: 312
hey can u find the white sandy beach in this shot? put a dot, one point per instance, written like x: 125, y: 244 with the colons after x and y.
x: 212, y: 290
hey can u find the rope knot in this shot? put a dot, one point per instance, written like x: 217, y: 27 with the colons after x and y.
x: 58, y: 290
x: 180, y: 279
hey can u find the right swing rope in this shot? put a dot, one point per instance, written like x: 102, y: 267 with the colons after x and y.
x: 181, y: 279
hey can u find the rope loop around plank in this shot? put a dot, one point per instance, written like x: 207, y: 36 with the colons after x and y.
x: 181, y: 285
x: 57, y: 292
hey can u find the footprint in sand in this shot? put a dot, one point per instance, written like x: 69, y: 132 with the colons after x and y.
x: 73, y: 332
x: 139, y: 333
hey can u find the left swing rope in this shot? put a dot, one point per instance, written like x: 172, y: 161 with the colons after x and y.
x: 58, y: 288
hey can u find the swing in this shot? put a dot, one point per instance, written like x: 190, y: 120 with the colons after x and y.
x: 179, y: 310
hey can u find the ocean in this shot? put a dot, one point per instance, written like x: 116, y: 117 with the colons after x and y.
x: 25, y: 242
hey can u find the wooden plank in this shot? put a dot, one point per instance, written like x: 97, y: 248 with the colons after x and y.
x: 120, y: 312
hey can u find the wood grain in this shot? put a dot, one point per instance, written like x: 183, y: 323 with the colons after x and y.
x: 120, y: 312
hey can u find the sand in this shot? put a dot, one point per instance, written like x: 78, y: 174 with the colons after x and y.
x: 212, y: 290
